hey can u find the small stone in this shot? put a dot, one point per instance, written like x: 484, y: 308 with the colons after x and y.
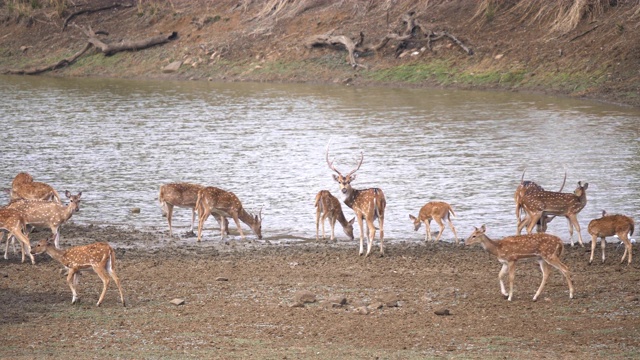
x: 442, y: 312
x: 304, y: 297
x: 375, y: 306
x: 220, y: 278
x: 338, y: 299
x: 173, y: 67
x: 135, y: 210
x: 631, y: 298
x: 361, y: 310
x: 297, y: 305
x: 499, y: 56
x: 177, y: 302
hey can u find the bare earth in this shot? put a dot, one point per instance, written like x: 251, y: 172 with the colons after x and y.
x: 390, y: 311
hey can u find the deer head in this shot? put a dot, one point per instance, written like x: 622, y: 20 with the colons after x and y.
x: 344, y: 180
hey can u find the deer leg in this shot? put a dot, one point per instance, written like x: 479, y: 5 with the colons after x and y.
x: 441, y: 225
x: 501, y: 275
x: 201, y: 219
x: 71, y: 283
x: 332, y: 222
x: 193, y: 218
x: 594, y: 239
x: 628, y: 248
x: 25, y: 245
x: 318, y: 223
x: 6, y: 248
x: 545, y: 274
x: 455, y: 235
x: 512, y: 276
x: 556, y: 263
x: 603, y: 245
x: 573, y: 218
x: 381, y: 223
x: 112, y: 272
x: 169, y: 216
x: 361, y: 234
x: 427, y: 224
x: 372, y: 234
x: 102, y: 273
x: 235, y: 218
x: 533, y: 220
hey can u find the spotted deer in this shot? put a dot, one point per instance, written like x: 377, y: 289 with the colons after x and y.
x: 47, y: 213
x: 23, y: 187
x: 183, y: 195
x: 100, y: 257
x: 525, y: 188
x: 609, y: 225
x: 212, y: 200
x: 545, y: 248
x: 13, y: 222
x: 328, y: 206
x: 368, y: 204
x: 538, y: 203
x: 438, y: 211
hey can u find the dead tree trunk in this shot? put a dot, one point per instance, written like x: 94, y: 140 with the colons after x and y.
x: 127, y: 45
x: 60, y: 64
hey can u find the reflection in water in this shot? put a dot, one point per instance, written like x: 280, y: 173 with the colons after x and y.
x: 118, y: 140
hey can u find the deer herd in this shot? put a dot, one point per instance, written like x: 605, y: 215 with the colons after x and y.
x: 38, y: 204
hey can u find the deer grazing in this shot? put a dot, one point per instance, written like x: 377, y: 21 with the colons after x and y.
x: 525, y: 188
x: 545, y: 248
x: 23, y: 187
x: 97, y: 256
x: 182, y: 195
x: 328, y: 206
x: 225, y: 204
x: 13, y: 221
x: 539, y: 203
x: 438, y: 211
x: 368, y: 204
x: 47, y: 213
x: 609, y: 225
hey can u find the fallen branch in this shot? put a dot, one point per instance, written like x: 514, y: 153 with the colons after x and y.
x: 60, y: 64
x: 414, y: 32
x: 89, y: 11
x: 129, y: 45
x: 584, y: 33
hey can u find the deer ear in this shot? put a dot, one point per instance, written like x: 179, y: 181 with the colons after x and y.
x: 483, y: 228
x: 335, y: 177
x: 353, y: 177
x: 80, y: 194
x: 585, y: 186
x: 351, y: 221
x: 67, y: 193
x: 412, y: 217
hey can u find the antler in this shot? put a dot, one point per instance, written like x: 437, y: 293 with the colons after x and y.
x: 360, y: 163
x: 330, y: 163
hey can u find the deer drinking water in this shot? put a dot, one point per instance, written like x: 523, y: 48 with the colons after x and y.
x: 182, y: 195
x: 100, y: 257
x: 438, y: 211
x: 368, y: 204
x: 23, y: 187
x: 225, y: 204
x: 48, y: 213
x: 609, y: 225
x: 545, y: 248
x: 328, y: 206
x: 539, y: 203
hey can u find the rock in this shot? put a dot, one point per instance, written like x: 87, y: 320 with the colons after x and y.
x: 296, y: 305
x: 389, y: 300
x: 442, y: 312
x: 361, y: 311
x: 220, y: 278
x: 135, y: 210
x: 631, y: 298
x: 499, y: 56
x: 304, y: 297
x: 173, y: 67
x: 177, y: 302
x: 337, y: 300
x: 375, y: 306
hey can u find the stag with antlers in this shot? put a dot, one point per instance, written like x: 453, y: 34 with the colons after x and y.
x: 527, y: 188
x: 368, y: 204
x: 539, y: 203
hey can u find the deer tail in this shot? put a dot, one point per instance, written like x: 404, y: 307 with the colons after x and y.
x: 318, y: 203
x: 631, y: 228
x: 111, y: 261
x: 199, y: 205
x: 56, y: 196
x: 451, y: 212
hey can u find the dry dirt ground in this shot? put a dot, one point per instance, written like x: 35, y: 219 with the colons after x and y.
x: 238, y: 303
